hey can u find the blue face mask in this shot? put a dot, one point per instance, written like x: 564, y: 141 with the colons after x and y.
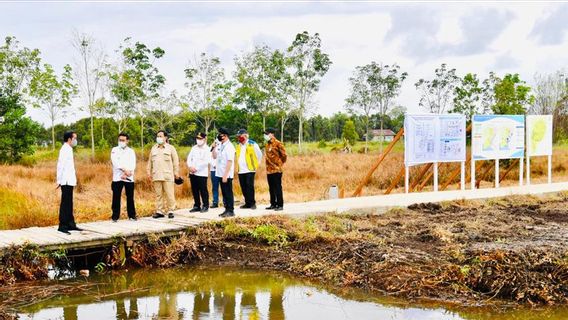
x: 74, y: 142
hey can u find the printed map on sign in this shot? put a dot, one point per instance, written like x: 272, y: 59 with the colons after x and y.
x: 434, y: 138
x: 452, y: 138
x: 539, y: 135
x: 498, y: 137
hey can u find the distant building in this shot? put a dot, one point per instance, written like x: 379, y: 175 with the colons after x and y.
x: 375, y: 135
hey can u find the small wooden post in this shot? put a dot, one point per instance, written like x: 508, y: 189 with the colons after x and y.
x: 496, y: 173
x: 406, y: 174
x: 528, y: 170
x: 435, y: 176
x: 549, y: 169
x: 396, y: 180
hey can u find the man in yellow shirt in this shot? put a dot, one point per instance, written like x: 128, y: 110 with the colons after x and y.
x: 247, y: 160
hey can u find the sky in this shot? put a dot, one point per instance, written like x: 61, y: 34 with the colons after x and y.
x: 477, y: 37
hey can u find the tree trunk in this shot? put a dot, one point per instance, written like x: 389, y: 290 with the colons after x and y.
x: 52, y: 135
x: 282, y: 129
x: 382, y: 136
x: 300, y: 132
x: 366, y: 133
x: 142, y: 132
x: 263, y: 122
x: 92, y: 135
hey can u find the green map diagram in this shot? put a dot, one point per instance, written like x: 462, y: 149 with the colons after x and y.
x: 489, y: 136
x: 538, y: 133
x: 505, y: 142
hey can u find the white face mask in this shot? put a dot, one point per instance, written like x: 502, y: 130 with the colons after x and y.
x: 160, y: 140
x: 266, y: 138
x: 74, y: 142
x: 200, y: 142
x: 122, y: 144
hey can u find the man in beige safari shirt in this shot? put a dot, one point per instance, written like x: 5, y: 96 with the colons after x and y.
x: 163, y: 168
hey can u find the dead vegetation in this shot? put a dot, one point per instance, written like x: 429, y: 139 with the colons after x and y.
x: 306, y: 178
x: 507, y: 250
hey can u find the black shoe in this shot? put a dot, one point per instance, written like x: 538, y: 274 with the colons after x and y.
x: 227, y: 214
x: 158, y: 215
x: 271, y: 207
x: 244, y: 206
x: 171, y: 215
x: 133, y: 219
x: 114, y: 220
x: 214, y: 205
x: 278, y: 208
x: 204, y: 209
x: 253, y: 207
x: 75, y: 229
x: 195, y: 209
x: 64, y: 231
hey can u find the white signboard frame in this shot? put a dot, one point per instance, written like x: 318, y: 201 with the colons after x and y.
x: 542, y: 127
x: 496, y: 137
x: 434, y: 138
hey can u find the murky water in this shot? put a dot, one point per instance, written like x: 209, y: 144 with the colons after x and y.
x: 237, y: 294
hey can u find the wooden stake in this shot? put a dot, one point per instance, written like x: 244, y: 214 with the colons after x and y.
x: 396, y: 180
x: 378, y: 163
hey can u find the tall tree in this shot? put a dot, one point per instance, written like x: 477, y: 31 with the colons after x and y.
x: 374, y: 87
x: 308, y: 65
x: 17, y: 131
x: 549, y: 90
x: 208, y: 89
x: 140, y: 61
x: 89, y: 74
x: 512, y: 95
x: 437, y: 94
x: 52, y: 93
x: 468, y: 96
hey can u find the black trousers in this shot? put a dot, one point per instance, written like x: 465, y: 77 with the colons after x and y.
x: 275, y: 188
x: 117, y: 187
x: 199, y: 190
x: 246, y: 180
x: 228, y: 198
x: 66, y: 219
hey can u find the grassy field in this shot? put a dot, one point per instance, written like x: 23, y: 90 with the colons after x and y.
x: 28, y: 196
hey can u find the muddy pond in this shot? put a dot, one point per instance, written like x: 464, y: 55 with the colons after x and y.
x: 225, y: 293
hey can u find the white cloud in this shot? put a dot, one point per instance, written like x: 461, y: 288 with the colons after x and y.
x: 474, y: 38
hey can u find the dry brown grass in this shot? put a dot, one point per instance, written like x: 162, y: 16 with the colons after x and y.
x: 306, y: 178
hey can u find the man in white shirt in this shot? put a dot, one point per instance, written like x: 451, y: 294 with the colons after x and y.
x: 67, y: 180
x: 123, y: 160
x: 226, y: 171
x: 215, y: 181
x: 248, y: 158
x: 198, y: 161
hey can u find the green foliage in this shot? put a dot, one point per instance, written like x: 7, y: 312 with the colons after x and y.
x: 374, y: 86
x: 436, y: 94
x: 468, y: 94
x: 18, y: 132
x: 512, y: 95
x: 349, y: 132
x: 271, y: 234
x: 322, y: 144
x: 208, y: 90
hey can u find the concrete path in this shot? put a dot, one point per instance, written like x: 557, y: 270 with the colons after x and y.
x: 97, y: 234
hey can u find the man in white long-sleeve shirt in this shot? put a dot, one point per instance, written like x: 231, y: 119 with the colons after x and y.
x: 198, y: 163
x: 123, y: 160
x: 67, y: 180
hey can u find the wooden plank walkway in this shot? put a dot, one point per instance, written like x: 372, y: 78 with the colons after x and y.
x: 102, y: 233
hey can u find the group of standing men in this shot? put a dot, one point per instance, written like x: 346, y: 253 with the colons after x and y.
x: 219, y: 160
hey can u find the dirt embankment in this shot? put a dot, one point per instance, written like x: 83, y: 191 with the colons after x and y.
x: 512, y: 250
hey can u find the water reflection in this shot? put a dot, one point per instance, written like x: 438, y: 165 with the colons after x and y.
x: 228, y: 294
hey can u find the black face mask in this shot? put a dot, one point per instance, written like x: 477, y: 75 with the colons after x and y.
x: 220, y: 137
